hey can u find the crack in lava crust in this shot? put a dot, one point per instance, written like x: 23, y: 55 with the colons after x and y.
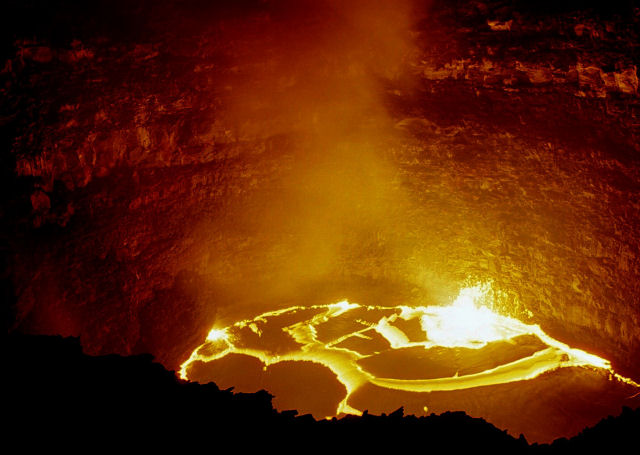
x: 326, y: 335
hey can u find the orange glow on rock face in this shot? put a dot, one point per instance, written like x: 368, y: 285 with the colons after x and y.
x: 466, y: 345
x: 212, y: 183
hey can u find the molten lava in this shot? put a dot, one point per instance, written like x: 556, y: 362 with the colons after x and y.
x: 173, y: 163
x: 488, y: 348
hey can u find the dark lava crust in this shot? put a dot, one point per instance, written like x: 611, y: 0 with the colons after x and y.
x: 169, y: 164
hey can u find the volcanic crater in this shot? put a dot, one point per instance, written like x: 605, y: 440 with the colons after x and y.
x: 173, y: 169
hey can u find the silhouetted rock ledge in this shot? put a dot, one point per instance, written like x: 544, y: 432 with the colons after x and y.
x: 57, y: 395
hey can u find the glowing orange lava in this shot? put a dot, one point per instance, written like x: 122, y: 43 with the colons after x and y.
x: 327, y: 334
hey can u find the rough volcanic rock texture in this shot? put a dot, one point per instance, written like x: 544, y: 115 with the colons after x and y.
x: 170, y: 164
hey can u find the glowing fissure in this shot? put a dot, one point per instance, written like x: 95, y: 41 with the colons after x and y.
x: 468, y: 322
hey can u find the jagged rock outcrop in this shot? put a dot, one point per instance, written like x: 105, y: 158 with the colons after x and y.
x: 56, y: 396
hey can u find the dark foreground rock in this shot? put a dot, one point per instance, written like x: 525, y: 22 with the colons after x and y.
x: 58, y: 396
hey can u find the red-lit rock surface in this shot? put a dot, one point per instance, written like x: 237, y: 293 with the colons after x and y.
x: 162, y: 175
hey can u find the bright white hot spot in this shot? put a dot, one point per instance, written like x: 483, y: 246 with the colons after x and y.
x: 469, y: 322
